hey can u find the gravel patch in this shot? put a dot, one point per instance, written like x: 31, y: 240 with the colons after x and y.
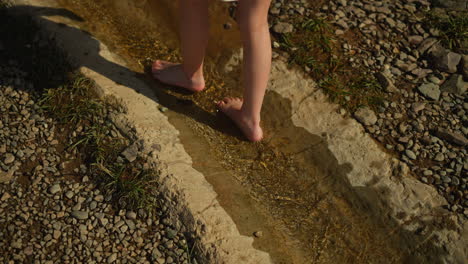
x: 422, y: 118
x: 53, y: 207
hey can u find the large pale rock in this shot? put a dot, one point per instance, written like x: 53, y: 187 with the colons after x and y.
x: 430, y: 91
x: 455, y: 84
x: 448, y: 62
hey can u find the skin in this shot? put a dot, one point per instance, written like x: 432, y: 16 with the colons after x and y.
x: 255, y: 36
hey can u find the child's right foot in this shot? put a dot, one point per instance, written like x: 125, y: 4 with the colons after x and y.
x: 232, y: 107
x: 173, y: 74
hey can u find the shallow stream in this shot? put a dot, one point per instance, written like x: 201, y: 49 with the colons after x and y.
x: 290, y: 186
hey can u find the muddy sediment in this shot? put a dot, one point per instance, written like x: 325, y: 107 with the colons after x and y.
x: 291, y: 186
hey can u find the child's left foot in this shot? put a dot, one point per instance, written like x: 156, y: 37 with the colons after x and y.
x: 173, y: 74
x: 232, y: 108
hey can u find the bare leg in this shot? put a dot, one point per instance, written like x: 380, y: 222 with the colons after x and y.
x: 256, y: 68
x: 194, y: 38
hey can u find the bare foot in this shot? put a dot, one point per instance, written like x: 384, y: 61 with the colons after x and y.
x: 173, y: 74
x: 232, y: 108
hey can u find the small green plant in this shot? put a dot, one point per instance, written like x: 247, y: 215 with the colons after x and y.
x: 453, y: 29
x: 363, y: 91
x: 313, y: 47
x: 76, y: 107
x: 189, y: 252
x: 131, y: 187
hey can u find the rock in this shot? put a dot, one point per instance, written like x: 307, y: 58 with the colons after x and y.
x: 410, y: 154
x: 56, y: 234
x: 430, y: 91
x: 131, y: 215
x: 427, y: 173
x: 452, y: 137
x: 439, y: 157
x: 112, y: 258
x: 69, y: 194
x: 453, y: 4
x: 448, y: 62
x: 258, y: 234
x: 366, y: 116
x: 155, y: 253
x: 55, y: 189
x: 426, y: 45
x: 99, y: 198
x: 421, y: 73
x: 17, y: 244
x: 283, y: 28
x: 437, y: 51
x: 342, y: 24
x: 386, y: 82
x: 131, y: 152
x: 5, y: 196
x: 465, y: 66
x: 418, y: 106
x: 104, y: 221
x: 9, y: 158
x: 455, y: 84
x: 80, y: 215
x: 123, y: 228
x: 415, y: 40
x: 6, y: 176
x: 169, y: 260
x: 342, y: 2
x: 28, y: 251
x: 92, y: 205
x: 434, y: 80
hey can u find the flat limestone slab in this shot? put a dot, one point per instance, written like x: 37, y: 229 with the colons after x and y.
x: 395, y: 192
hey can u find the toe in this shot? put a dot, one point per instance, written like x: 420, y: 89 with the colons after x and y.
x: 158, y: 65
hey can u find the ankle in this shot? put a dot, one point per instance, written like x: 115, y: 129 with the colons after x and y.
x: 251, y: 119
x: 194, y: 76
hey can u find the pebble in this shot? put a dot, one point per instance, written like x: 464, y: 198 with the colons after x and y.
x: 9, y: 158
x: 81, y: 215
x: 112, y: 258
x: 258, y: 234
x: 55, y: 189
x: 5, y: 196
x: 439, y: 157
x: 131, y: 215
x: 366, y: 116
x: 410, y: 154
x: 283, y: 28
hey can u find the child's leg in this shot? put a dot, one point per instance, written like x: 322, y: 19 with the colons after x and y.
x: 256, y: 68
x: 194, y: 38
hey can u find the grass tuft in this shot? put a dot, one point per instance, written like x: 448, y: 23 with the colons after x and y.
x: 313, y: 47
x: 74, y: 106
x: 363, y: 91
x: 453, y: 29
